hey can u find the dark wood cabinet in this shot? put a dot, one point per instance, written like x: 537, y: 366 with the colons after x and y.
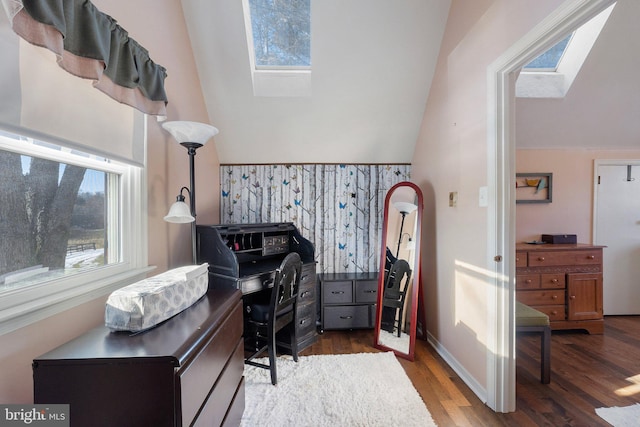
x: 348, y: 300
x: 563, y: 281
x: 185, y: 371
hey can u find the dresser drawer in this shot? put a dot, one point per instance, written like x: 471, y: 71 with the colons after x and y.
x: 306, y: 319
x: 197, y: 377
x: 555, y: 312
x: 308, y: 277
x: 541, y: 297
x: 551, y: 281
x: 551, y: 258
x: 521, y: 259
x: 307, y: 294
x: 339, y: 292
x: 347, y: 317
x: 367, y: 291
x: 527, y: 281
x: 214, y: 409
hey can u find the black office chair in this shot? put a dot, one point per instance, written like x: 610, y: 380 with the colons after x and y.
x: 266, y: 320
x: 395, y: 292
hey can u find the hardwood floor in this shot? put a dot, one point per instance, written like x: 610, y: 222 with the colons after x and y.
x: 587, y: 372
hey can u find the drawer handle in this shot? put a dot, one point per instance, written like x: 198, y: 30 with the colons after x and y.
x: 337, y: 292
x: 591, y: 257
x: 304, y: 294
x: 346, y: 317
x: 554, y: 297
x: 572, y: 297
x: 529, y: 281
x: 517, y: 259
x: 303, y: 321
x: 554, y: 312
x: 370, y: 291
x: 540, y: 258
x: 554, y: 280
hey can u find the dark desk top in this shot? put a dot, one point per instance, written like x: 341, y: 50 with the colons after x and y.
x: 173, y: 339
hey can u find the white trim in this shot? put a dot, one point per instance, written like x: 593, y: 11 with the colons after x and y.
x: 458, y: 368
x: 274, y: 81
x: 40, y: 308
x: 500, y: 175
x: 23, y: 306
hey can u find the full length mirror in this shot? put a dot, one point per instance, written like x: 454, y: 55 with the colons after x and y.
x: 399, y: 277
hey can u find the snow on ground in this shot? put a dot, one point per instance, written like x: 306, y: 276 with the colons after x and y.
x: 82, y: 258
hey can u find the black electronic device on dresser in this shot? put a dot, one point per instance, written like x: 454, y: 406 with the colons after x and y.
x: 246, y: 256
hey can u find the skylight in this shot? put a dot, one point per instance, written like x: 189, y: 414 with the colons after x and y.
x: 281, y: 33
x: 552, y: 73
x: 549, y: 60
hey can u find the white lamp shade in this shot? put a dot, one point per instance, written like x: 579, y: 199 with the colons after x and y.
x: 179, y: 213
x: 405, y: 207
x: 184, y: 131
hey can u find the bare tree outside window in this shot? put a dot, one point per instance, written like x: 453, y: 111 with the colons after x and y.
x: 49, y: 212
x: 281, y: 32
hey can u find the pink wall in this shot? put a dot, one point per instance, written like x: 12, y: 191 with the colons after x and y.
x: 451, y: 155
x: 571, y: 210
x: 159, y: 26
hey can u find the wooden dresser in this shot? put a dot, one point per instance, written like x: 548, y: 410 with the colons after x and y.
x: 348, y: 300
x: 563, y: 281
x: 185, y: 371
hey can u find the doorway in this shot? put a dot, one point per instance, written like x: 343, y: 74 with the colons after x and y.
x: 501, y: 175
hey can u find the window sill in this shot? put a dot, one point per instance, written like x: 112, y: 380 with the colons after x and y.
x: 26, y: 306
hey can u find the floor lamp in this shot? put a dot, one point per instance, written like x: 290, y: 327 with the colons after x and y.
x: 405, y: 208
x: 191, y: 135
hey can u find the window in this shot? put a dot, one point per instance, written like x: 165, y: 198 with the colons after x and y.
x: 549, y: 60
x: 67, y: 219
x: 281, y: 33
x: 279, y: 46
x: 551, y: 74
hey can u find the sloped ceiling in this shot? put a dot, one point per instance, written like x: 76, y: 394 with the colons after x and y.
x: 372, y: 65
x: 602, y: 108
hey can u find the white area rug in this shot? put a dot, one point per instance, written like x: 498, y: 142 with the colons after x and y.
x: 364, y: 389
x: 626, y: 416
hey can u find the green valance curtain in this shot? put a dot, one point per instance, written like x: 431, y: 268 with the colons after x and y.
x: 91, y: 45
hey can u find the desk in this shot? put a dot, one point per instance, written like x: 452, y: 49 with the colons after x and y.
x: 246, y: 256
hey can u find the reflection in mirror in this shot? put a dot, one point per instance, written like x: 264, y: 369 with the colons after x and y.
x: 399, y: 281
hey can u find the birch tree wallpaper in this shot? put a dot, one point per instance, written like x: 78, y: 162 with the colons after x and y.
x: 339, y: 208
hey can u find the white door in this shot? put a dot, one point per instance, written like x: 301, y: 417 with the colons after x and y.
x: 617, y: 226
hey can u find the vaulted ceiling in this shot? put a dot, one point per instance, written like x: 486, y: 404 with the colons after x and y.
x: 372, y: 65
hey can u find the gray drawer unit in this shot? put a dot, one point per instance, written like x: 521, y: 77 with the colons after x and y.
x: 348, y: 300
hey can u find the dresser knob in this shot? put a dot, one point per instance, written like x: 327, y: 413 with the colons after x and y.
x: 554, y: 280
x: 591, y: 257
x: 554, y: 297
x: 572, y: 297
x: 554, y: 312
x: 540, y: 258
x: 529, y: 280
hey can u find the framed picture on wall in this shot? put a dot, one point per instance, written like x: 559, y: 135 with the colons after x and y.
x: 534, y: 187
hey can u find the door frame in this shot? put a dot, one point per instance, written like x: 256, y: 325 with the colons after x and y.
x: 501, y: 146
